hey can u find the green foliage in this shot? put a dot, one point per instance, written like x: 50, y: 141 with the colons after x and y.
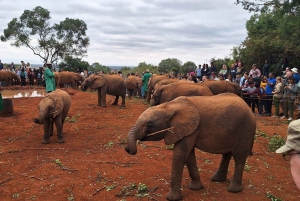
x: 272, y: 35
x: 169, y: 65
x: 72, y: 119
x: 276, y: 142
x: 96, y: 67
x: 72, y: 64
x: 272, y: 197
x: 188, y: 67
x: 50, y: 43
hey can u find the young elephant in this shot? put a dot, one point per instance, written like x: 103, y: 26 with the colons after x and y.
x: 220, y: 124
x: 53, y: 109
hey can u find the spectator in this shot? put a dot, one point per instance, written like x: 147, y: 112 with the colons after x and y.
x: 198, y: 72
x: 39, y: 75
x: 23, y: 76
x: 223, y: 71
x: 289, y: 96
x: 244, y: 79
x: 205, y: 70
x: 13, y: 67
x: 269, y: 89
x: 256, y: 79
x: 49, y: 78
x: 213, y: 68
x: 221, y: 77
x: 284, y: 65
x: 233, y: 71
x: 253, y: 96
x: 295, y: 75
x: 265, y: 69
x: 229, y: 78
x: 277, y: 95
x: 239, y: 72
x: 145, y: 80
x: 31, y: 77
x: 291, y: 150
x: 214, y: 76
x: 1, y: 65
x: 194, y: 78
x: 255, y: 69
x: 259, y: 98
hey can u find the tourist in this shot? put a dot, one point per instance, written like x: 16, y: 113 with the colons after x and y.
x: 277, y: 95
x: 289, y: 96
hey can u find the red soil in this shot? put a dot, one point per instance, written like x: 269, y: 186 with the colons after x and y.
x: 93, y: 165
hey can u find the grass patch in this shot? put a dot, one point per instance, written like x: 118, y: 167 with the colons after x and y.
x: 72, y: 119
x: 276, y: 142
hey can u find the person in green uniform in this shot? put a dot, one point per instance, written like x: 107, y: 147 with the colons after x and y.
x: 145, y: 80
x: 49, y: 78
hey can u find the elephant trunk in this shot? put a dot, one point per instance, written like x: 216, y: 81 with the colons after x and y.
x: 132, y: 138
x: 39, y: 120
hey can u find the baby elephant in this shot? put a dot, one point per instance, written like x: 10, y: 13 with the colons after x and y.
x: 53, y: 109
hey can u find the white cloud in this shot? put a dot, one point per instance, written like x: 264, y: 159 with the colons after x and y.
x: 127, y: 32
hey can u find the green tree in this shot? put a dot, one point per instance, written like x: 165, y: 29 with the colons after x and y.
x: 50, y: 43
x: 96, y: 67
x: 72, y: 64
x: 169, y: 65
x: 187, y: 67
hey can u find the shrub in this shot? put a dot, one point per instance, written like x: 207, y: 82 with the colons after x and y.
x: 276, y: 142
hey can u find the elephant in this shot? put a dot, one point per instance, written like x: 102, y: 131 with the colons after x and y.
x: 132, y: 85
x: 220, y: 124
x: 106, y: 84
x: 218, y: 87
x: 72, y: 78
x: 8, y: 77
x: 169, y: 92
x: 151, y: 84
x: 53, y: 108
x: 56, y: 77
x: 165, y: 82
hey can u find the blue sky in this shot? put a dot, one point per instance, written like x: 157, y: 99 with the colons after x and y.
x: 127, y: 32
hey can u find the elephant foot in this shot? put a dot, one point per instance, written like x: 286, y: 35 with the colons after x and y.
x: 174, y: 195
x: 218, y: 177
x: 195, y: 185
x: 235, y: 188
x: 122, y: 106
x: 60, y: 140
x: 45, y: 141
x: 51, y: 134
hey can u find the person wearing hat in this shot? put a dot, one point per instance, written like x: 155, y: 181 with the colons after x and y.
x: 49, y: 78
x: 295, y: 75
x: 291, y: 150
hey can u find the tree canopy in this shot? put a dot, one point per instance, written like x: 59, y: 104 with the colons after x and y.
x: 169, y: 65
x: 50, y: 43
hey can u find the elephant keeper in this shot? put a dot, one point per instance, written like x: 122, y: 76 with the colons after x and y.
x: 291, y: 150
x: 49, y: 78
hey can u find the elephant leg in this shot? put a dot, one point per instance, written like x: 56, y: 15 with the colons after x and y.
x: 46, y: 139
x: 222, y: 171
x: 59, y: 128
x: 116, y: 100
x: 236, y: 183
x: 191, y: 164
x: 99, y: 96
x: 73, y: 83
x: 180, y: 154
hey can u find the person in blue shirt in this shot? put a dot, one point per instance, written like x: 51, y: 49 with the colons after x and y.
x: 198, y: 72
x: 295, y: 75
x: 269, y: 89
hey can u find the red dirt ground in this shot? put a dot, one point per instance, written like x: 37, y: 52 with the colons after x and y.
x: 93, y: 165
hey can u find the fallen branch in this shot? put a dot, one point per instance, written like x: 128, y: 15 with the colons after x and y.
x: 98, y: 190
x: 33, y: 177
x: 2, y: 182
x: 110, y: 162
x: 45, y: 148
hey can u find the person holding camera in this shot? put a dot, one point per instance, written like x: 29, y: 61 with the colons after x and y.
x: 289, y: 96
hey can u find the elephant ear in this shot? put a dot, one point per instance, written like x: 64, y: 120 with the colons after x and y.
x: 184, y: 117
x: 98, y: 81
x: 167, y: 92
x: 58, y: 104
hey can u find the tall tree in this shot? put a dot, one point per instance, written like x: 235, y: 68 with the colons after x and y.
x: 72, y: 64
x: 169, y: 65
x: 187, y: 67
x: 50, y: 43
x: 96, y: 67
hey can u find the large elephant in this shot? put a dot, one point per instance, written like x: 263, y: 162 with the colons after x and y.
x: 8, y: 77
x: 220, y: 124
x: 218, y: 87
x: 169, y: 92
x: 53, y: 108
x: 134, y: 85
x: 56, y: 77
x: 72, y: 78
x: 151, y: 84
x: 106, y: 84
x: 165, y: 82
